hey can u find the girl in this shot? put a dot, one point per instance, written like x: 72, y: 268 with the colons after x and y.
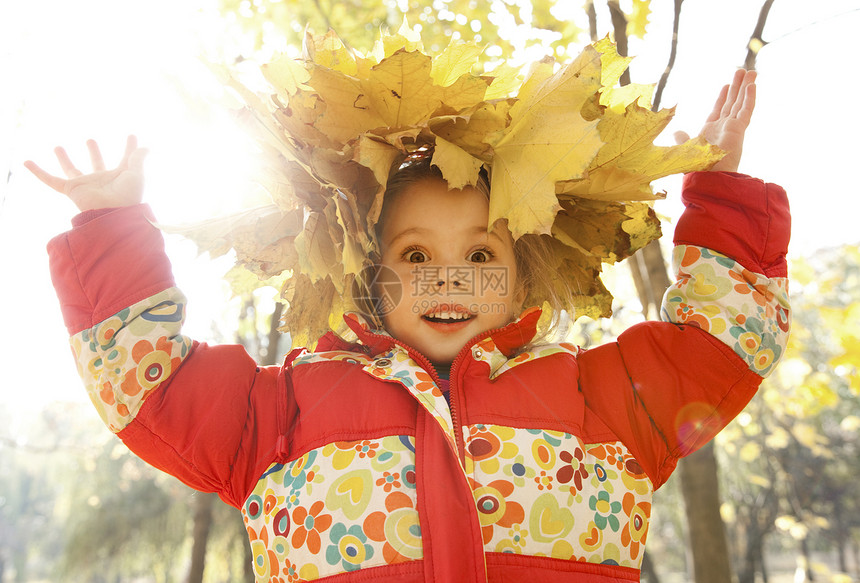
x: 449, y: 446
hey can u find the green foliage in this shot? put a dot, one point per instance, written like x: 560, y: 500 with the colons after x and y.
x: 506, y: 27
x: 792, y: 457
x: 76, y: 505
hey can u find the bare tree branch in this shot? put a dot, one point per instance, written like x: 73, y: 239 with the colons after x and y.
x: 592, y: 20
x: 619, y: 26
x: 756, y: 41
x: 673, y: 52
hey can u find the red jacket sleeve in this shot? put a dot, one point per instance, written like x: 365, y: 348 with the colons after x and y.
x: 665, y: 388
x: 212, y: 419
x: 748, y: 220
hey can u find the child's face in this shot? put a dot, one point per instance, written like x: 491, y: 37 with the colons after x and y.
x: 457, y: 279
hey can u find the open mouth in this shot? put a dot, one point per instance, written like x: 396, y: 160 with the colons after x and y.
x: 448, y: 315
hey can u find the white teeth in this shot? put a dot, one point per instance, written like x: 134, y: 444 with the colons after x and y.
x: 449, y: 316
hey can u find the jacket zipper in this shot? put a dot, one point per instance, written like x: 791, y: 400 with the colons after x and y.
x: 428, y: 366
x: 455, y: 393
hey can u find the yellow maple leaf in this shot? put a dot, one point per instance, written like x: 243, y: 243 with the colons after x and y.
x: 318, y: 253
x: 474, y: 129
x: 603, y: 230
x: 406, y: 38
x: 315, y: 307
x: 329, y: 51
x: 548, y: 140
x: 286, y: 75
x: 456, y: 60
x: 506, y: 81
x: 629, y: 160
x: 459, y: 168
x: 376, y: 155
x: 613, y: 65
x: 637, y: 18
x: 347, y: 112
x: 263, y: 238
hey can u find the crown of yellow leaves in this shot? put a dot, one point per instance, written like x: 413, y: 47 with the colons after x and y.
x: 569, y: 152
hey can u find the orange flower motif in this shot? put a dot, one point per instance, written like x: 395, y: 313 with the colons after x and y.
x: 310, y: 523
x: 748, y: 284
x: 635, y: 531
x: 366, y: 448
x: 389, y: 480
x: 494, y: 508
x: 154, y: 365
x: 543, y: 481
x: 398, y: 527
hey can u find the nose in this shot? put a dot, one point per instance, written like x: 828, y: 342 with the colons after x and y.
x: 455, y: 283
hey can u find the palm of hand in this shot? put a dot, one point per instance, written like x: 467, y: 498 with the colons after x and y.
x: 122, y: 186
x: 728, y: 121
x: 728, y: 135
x: 107, y: 188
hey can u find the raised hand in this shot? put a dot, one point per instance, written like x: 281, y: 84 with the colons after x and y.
x: 728, y: 122
x: 122, y: 186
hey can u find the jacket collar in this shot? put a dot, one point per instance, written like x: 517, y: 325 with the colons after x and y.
x: 508, y: 339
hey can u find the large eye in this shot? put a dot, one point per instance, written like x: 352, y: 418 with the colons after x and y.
x: 415, y: 256
x: 480, y: 256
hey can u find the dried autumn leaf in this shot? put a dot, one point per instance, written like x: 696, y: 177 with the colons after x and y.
x: 317, y: 249
x: 603, y: 230
x: 347, y: 112
x: 506, y: 81
x: 263, y: 238
x: 637, y: 18
x: 456, y: 60
x: 286, y: 75
x: 580, y: 273
x: 459, y: 168
x: 548, y: 141
x: 629, y: 161
x: 376, y: 155
x: 313, y: 307
x: 329, y: 51
x: 406, y: 38
x: 473, y: 129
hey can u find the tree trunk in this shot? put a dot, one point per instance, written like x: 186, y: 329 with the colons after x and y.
x: 649, y: 574
x: 807, y: 560
x: 762, y: 566
x: 699, y: 485
x: 753, y: 554
x: 203, y: 504
x: 248, y: 563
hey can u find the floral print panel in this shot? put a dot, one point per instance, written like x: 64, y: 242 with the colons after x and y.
x: 547, y: 493
x: 124, y: 358
x: 747, y: 311
x: 343, y: 507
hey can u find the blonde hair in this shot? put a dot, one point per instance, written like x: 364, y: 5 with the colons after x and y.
x: 537, y: 276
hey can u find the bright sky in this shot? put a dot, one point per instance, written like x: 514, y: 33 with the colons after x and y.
x: 107, y: 68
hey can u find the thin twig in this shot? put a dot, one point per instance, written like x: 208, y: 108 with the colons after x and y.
x: 756, y: 41
x: 664, y: 78
x: 811, y: 24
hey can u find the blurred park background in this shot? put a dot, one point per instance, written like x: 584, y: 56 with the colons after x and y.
x: 775, y: 499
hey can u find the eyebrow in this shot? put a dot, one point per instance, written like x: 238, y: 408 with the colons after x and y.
x: 421, y: 231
